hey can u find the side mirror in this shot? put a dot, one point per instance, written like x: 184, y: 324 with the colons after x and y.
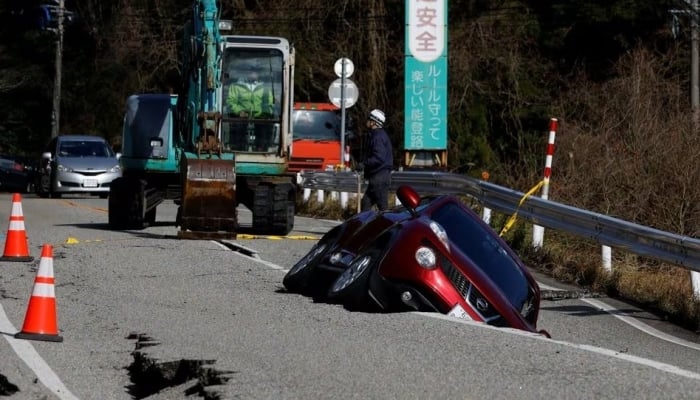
x: 409, y: 198
x: 118, y: 155
x: 46, y: 155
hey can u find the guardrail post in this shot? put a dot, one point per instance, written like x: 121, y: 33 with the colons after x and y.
x: 538, y: 231
x: 486, y: 213
x: 695, y: 278
x: 606, y: 252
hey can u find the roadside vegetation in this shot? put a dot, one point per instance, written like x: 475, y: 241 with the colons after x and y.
x: 614, y: 74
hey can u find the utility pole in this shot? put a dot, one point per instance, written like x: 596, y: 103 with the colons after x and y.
x: 692, y: 13
x: 56, y: 111
x: 695, y: 86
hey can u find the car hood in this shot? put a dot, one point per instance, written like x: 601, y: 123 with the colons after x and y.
x: 86, y: 163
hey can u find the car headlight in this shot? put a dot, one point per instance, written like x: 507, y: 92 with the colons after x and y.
x: 439, y: 231
x: 425, y: 257
x: 63, y: 168
x: 115, y: 168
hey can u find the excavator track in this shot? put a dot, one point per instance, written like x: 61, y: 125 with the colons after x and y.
x: 208, y: 206
x: 273, y: 210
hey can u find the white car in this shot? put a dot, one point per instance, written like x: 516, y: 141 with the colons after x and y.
x: 77, y: 164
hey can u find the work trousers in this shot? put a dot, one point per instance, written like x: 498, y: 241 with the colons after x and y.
x: 377, y: 192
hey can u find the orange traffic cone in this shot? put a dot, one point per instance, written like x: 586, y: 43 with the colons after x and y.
x: 16, y: 246
x: 40, y: 320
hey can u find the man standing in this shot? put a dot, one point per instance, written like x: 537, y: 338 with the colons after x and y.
x: 378, y: 164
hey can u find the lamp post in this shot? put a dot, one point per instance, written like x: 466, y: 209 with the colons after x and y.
x: 56, y: 110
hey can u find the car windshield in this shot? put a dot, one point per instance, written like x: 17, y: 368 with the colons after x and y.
x: 84, y: 148
x: 316, y: 125
x: 487, y: 253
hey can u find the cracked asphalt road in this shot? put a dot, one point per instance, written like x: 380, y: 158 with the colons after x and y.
x: 223, y: 320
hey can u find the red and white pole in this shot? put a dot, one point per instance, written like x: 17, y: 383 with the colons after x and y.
x: 538, y: 231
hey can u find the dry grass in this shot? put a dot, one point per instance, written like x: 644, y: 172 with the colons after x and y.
x: 661, y: 288
x: 328, y: 209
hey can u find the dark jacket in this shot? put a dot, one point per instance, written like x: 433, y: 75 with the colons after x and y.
x: 380, y: 156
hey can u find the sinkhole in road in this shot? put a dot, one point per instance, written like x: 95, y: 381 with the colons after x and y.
x: 150, y: 376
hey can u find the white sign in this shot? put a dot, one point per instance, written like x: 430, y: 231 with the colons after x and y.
x: 349, y: 67
x: 350, y: 93
x: 426, y: 29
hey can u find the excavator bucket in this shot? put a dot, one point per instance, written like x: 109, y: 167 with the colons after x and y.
x: 208, y: 205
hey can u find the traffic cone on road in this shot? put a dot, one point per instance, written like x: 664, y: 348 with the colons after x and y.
x: 16, y: 246
x: 40, y: 320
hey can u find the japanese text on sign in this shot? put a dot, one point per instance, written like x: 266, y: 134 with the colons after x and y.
x: 425, y: 93
x: 426, y: 29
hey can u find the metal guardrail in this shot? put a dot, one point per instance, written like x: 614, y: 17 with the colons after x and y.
x: 638, y: 239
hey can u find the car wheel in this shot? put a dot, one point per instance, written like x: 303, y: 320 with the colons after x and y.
x: 301, y: 277
x: 151, y: 216
x: 350, y: 288
x: 42, y: 186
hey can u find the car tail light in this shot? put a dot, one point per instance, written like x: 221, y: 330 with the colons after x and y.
x: 425, y: 257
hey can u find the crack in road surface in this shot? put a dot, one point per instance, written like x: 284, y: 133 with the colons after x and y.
x: 150, y: 376
x: 7, y: 388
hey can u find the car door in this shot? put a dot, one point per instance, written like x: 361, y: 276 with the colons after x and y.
x: 12, y: 175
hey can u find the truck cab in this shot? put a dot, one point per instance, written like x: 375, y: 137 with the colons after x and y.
x: 316, y: 129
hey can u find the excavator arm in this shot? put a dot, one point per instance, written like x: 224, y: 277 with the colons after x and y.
x: 208, y: 204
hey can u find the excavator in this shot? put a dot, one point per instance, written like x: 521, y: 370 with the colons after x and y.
x: 194, y: 148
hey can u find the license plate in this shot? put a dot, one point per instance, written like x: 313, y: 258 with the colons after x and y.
x: 90, y: 183
x: 459, y: 312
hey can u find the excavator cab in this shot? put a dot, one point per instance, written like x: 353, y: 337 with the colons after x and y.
x: 252, y: 100
x: 256, y: 99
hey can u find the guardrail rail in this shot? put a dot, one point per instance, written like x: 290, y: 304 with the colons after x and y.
x: 677, y: 249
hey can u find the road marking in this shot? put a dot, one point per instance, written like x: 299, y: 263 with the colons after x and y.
x: 599, y: 350
x: 626, y: 318
x: 640, y: 325
x: 29, y: 355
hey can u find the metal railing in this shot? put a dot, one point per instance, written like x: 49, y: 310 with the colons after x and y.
x: 609, y: 231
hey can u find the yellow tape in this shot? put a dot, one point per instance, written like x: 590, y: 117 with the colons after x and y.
x: 72, y: 240
x: 513, y: 217
x: 293, y: 237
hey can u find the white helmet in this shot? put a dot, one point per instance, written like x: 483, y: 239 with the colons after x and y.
x: 377, y: 116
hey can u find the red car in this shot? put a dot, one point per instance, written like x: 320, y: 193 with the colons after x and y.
x: 431, y: 254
